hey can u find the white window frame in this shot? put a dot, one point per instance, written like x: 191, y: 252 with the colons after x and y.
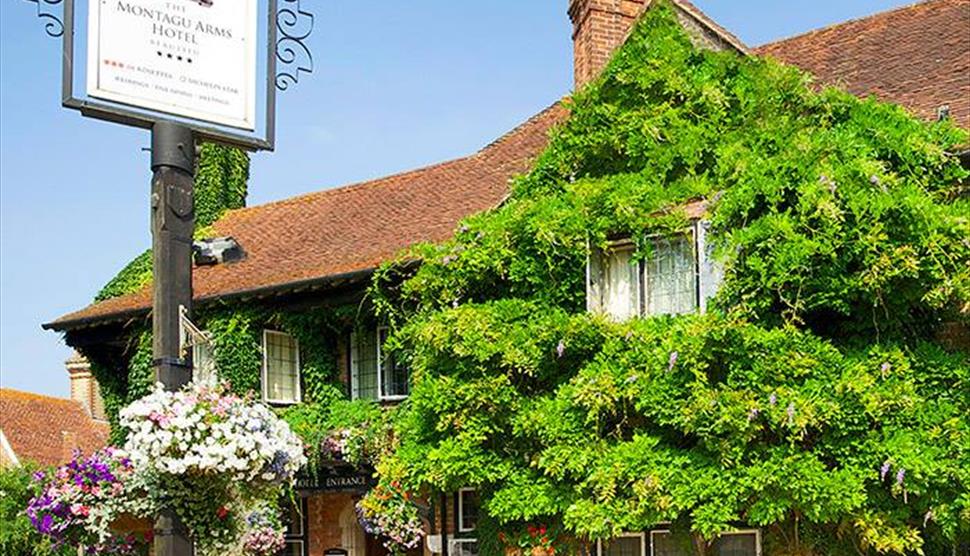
x: 264, y: 375
x: 461, y: 510
x: 707, y: 273
x: 196, y: 348
x: 380, y: 371
x: 756, y: 532
x: 643, y: 543
x: 453, y: 543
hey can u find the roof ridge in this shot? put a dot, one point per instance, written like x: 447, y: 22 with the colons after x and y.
x: 845, y: 22
x: 338, y: 189
x: 508, y: 134
x: 26, y: 394
x: 690, y: 9
x: 344, y: 187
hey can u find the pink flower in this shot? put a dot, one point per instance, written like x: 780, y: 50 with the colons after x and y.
x: 80, y: 509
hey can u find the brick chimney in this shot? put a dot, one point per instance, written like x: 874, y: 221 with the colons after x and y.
x: 599, y: 27
x: 84, y: 387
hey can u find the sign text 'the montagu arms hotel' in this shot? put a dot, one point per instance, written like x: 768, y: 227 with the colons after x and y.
x: 189, y: 58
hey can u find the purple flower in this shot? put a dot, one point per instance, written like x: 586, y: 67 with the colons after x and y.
x: 38, y: 476
x: 672, y: 361
x: 773, y: 399
x: 561, y: 348
x: 874, y: 179
x: 632, y: 378
x: 900, y: 476
x: 753, y: 414
x: 791, y: 412
x: 884, y: 470
x: 885, y: 368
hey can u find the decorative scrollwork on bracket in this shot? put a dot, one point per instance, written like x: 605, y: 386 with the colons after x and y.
x: 295, y: 26
x: 48, y: 13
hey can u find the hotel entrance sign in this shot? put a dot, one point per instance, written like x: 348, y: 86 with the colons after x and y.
x: 190, y: 58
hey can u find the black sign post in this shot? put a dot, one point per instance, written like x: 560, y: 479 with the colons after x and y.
x: 173, y: 221
x: 173, y: 142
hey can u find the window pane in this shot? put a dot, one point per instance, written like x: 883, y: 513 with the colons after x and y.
x: 364, y: 365
x: 737, y: 545
x: 394, y: 376
x: 282, y: 371
x: 666, y: 544
x: 469, y: 510
x: 671, y: 277
x: 203, y: 363
x: 466, y: 548
x: 620, y: 284
x: 623, y: 546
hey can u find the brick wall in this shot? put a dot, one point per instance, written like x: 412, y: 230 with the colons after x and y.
x: 324, y: 514
x: 84, y: 387
x: 601, y: 26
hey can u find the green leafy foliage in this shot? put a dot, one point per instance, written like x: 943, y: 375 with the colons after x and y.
x: 813, y: 399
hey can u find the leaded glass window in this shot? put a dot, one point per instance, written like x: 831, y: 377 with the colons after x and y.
x: 281, y: 368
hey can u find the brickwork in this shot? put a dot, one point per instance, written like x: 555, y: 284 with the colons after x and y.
x: 324, y: 514
x: 601, y: 26
x: 84, y: 387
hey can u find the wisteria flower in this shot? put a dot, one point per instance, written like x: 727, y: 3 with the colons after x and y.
x: 671, y: 361
x: 884, y: 470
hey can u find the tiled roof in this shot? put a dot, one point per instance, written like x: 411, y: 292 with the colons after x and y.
x: 917, y: 56
x: 352, y: 229
x: 46, y: 430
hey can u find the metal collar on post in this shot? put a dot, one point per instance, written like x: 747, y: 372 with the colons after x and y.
x: 173, y: 146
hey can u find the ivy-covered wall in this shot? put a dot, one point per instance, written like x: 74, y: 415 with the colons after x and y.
x: 221, y: 178
x: 813, y: 400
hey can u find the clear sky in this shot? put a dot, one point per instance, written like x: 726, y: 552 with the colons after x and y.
x: 397, y: 85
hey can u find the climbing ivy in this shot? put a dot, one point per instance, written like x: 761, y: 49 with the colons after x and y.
x: 813, y: 399
x: 221, y: 178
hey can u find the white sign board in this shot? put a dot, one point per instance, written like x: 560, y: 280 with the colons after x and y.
x: 190, y: 58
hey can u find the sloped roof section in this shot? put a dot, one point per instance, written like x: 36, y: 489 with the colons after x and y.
x: 45, y: 430
x: 917, y: 56
x: 339, y: 232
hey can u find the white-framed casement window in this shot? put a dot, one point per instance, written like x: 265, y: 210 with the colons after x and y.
x: 374, y: 374
x: 281, y: 368
x: 628, y: 544
x: 463, y: 547
x: 467, y: 510
x: 204, y: 361
x: 742, y: 542
x: 675, y: 275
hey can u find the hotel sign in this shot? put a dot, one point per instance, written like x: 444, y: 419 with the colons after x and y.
x: 341, y: 478
x: 189, y: 58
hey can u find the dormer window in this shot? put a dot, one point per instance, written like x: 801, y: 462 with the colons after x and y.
x: 674, y: 276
